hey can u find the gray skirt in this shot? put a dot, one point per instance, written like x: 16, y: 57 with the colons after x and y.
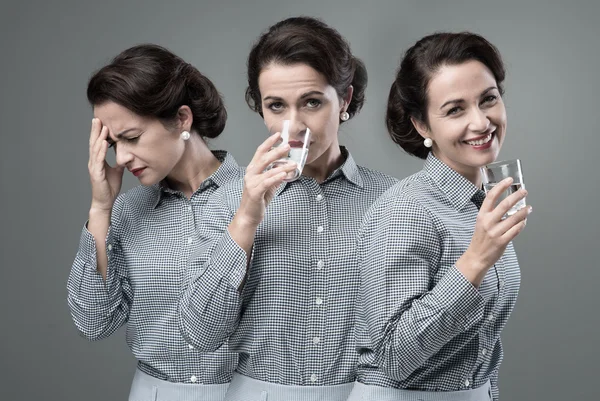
x: 148, y: 388
x: 363, y: 392
x: 244, y: 388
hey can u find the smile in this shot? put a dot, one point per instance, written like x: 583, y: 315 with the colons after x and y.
x: 481, y: 141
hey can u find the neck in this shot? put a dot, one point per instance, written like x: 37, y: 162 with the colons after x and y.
x: 326, y: 164
x: 196, y: 164
x: 472, y: 174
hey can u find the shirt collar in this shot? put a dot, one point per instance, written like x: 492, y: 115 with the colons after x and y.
x: 456, y: 187
x: 227, y: 171
x: 348, y: 170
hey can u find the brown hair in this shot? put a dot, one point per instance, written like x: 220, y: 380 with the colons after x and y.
x: 151, y: 81
x: 408, y: 94
x: 307, y: 40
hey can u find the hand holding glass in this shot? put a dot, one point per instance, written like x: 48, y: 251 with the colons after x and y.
x: 493, y: 173
x: 299, y: 141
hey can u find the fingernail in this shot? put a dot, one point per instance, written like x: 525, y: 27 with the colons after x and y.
x: 530, y: 210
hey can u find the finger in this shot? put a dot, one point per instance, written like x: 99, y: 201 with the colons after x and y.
x: 256, y: 162
x: 506, y: 224
x: 101, y: 155
x: 255, y: 184
x: 271, y: 182
x: 514, y: 231
x: 94, y: 132
x: 491, y: 198
x: 278, y: 153
x: 100, y: 140
x: 507, y: 203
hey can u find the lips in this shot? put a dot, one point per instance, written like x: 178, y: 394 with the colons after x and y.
x: 481, y: 140
x: 137, y: 171
x: 295, y: 144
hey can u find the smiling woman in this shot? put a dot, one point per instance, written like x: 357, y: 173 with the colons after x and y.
x: 155, y: 110
x: 439, y: 274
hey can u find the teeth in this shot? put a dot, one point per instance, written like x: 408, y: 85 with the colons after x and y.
x: 481, y: 141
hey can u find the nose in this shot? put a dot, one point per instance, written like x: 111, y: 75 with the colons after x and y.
x: 297, y: 129
x: 122, y: 156
x: 479, y: 121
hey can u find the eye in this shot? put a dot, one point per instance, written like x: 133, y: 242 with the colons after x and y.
x: 313, y: 103
x: 490, y: 99
x: 111, y: 143
x: 453, y: 111
x: 133, y: 140
x: 275, y: 106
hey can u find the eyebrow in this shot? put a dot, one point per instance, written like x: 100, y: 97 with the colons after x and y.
x: 304, y: 95
x: 458, y: 101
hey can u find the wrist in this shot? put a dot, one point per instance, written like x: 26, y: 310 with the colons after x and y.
x: 99, y: 212
x: 472, y: 267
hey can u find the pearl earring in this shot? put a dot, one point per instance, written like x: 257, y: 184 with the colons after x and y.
x: 185, y: 135
x: 428, y: 142
x: 344, y: 116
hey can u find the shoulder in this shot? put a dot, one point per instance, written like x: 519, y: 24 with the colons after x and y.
x: 406, y: 200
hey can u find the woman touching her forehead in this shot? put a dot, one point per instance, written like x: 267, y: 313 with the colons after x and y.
x: 156, y: 111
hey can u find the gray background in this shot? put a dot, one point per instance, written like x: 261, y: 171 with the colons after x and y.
x: 49, y: 50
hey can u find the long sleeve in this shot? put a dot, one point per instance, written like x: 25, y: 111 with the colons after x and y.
x: 210, y: 308
x: 99, y: 307
x: 408, y: 318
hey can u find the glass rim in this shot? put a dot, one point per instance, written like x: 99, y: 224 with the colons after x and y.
x: 503, y: 163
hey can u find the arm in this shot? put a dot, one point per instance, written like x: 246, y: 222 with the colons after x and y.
x: 408, y: 319
x: 99, y: 306
x: 210, y: 308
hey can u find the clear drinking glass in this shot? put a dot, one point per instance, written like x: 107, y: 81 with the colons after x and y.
x: 299, y: 140
x: 493, y: 173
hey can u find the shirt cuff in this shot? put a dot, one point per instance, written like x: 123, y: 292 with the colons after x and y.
x: 92, y: 284
x: 459, y: 298
x: 229, y: 253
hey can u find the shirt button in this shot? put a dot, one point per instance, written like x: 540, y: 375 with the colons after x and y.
x: 190, y: 208
x: 501, y: 283
x: 467, y: 383
x: 313, y: 378
x: 484, y: 352
x: 190, y: 346
x: 320, y: 229
x: 193, y: 379
x: 109, y: 247
x: 190, y: 240
x: 319, y: 301
x: 320, y: 264
x: 491, y: 317
x: 319, y: 197
x: 316, y: 340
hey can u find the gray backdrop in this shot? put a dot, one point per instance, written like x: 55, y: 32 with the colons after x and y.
x: 49, y: 50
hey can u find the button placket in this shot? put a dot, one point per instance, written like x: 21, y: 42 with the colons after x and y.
x: 318, y: 283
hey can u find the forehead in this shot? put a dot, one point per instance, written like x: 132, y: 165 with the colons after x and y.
x: 286, y: 80
x: 116, y: 117
x: 460, y: 81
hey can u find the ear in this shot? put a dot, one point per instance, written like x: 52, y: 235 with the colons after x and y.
x: 347, y: 98
x: 421, y: 127
x: 185, y: 118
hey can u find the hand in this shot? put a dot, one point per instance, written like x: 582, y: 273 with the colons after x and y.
x: 492, y: 232
x: 260, y: 185
x: 106, y: 180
